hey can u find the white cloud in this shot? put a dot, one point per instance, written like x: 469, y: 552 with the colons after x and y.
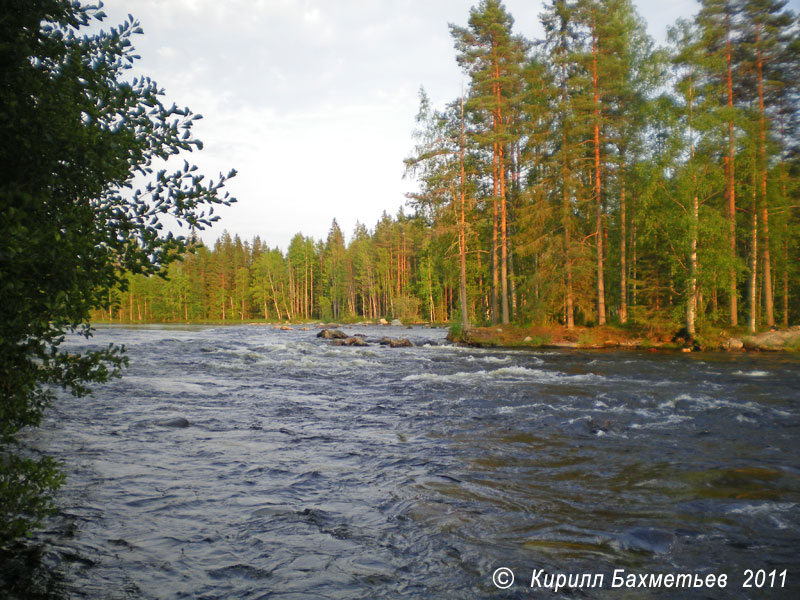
x: 312, y: 102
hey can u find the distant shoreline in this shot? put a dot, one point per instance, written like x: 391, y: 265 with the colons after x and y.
x: 553, y: 337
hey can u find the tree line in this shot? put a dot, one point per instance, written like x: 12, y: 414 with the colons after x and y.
x: 585, y: 177
x: 389, y: 271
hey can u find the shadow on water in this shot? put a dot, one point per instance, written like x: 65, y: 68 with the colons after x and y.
x: 26, y: 575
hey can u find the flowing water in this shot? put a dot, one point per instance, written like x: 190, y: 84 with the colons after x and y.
x: 315, y: 471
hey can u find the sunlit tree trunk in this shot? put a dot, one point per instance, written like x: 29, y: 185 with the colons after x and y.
x: 567, y: 220
x: 499, y: 126
x: 786, y: 276
x: 623, y: 251
x: 601, y: 292
x: 753, y: 287
x: 462, y: 230
x: 691, y: 293
x: 731, y: 181
x: 762, y: 135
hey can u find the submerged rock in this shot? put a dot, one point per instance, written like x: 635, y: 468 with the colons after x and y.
x: 647, y: 539
x: 174, y: 422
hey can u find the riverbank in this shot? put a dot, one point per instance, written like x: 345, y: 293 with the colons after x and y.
x: 633, y: 337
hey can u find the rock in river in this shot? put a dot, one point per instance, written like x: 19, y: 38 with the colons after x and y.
x: 332, y: 334
x: 396, y: 343
x: 350, y: 341
x: 174, y: 422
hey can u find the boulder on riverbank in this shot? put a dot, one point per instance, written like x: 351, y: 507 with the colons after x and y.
x: 733, y: 345
x: 781, y: 339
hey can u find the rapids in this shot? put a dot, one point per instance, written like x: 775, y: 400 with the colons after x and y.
x: 314, y: 471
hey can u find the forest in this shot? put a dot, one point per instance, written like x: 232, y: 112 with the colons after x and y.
x: 585, y: 178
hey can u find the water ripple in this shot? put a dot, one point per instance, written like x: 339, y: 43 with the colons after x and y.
x: 314, y: 471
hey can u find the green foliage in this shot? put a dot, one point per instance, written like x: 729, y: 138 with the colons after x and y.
x: 25, y: 484
x: 456, y: 332
x: 406, y: 308
x: 75, y: 135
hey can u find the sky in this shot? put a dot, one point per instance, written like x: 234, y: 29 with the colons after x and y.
x: 313, y: 101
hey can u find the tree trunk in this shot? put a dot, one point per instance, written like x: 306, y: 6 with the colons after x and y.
x: 623, y: 259
x: 768, y: 302
x: 501, y: 176
x: 570, y: 308
x: 274, y: 296
x: 753, y: 264
x: 601, y: 292
x: 634, y: 264
x: 691, y: 300
x: 731, y: 185
x: 462, y: 233
x: 786, y: 277
x: 691, y: 296
x: 495, y: 268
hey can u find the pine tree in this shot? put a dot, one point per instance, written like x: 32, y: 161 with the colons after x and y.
x: 717, y: 21
x: 440, y: 164
x: 493, y: 57
x: 768, y: 32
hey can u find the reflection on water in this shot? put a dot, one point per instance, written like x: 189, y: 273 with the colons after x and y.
x: 314, y: 471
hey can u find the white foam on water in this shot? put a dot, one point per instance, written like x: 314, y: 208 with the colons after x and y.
x: 173, y: 386
x: 700, y: 403
x: 752, y: 373
x: 434, y: 377
x: 538, y: 405
x: 496, y: 360
x: 667, y: 422
x: 302, y: 363
x: 770, y: 510
x: 504, y: 373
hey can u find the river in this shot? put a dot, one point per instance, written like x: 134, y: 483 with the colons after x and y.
x: 315, y: 471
